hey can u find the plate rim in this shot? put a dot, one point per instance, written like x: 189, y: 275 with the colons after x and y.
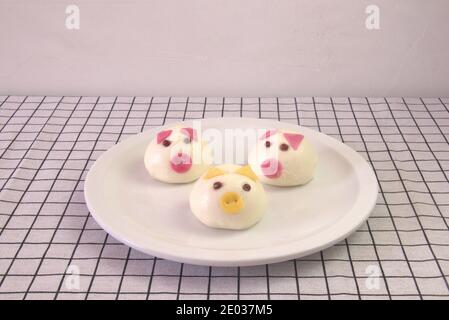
x: 202, y: 256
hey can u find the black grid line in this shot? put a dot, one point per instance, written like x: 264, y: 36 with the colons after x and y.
x: 321, y: 253
x: 47, y: 145
x: 412, y: 203
x: 346, y: 240
x: 23, y: 194
x: 107, y: 235
x: 86, y: 219
x: 368, y: 223
x: 19, y: 167
x: 46, y: 198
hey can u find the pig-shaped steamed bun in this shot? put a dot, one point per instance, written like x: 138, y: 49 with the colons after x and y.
x: 228, y: 197
x: 283, y: 158
x: 177, y: 155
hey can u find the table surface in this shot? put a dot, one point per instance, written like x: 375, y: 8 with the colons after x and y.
x: 51, y: 248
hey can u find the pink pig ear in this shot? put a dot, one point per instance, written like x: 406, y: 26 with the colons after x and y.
x: 294, y: 139
x: 267, y: 134
x: 161, y: 136
x: 190, y: 132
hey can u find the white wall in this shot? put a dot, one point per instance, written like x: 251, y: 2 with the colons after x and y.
x: 225, y: 47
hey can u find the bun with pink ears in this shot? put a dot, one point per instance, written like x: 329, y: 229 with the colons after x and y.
x: 177, y: 155
x: 283, y: 158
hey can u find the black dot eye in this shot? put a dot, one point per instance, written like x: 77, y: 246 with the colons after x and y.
x: 187, y: 141
x: 267, y: 144
x: 217, y: 185
x: 166, y: 143
x: 246, y: 187
x: 283, y: 147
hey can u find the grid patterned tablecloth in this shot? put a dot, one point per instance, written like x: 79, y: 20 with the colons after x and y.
x: 50, y: 247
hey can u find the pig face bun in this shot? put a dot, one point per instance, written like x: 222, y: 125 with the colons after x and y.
x: 283, y: 158
x: 177, y: 155
x: 228, y: 197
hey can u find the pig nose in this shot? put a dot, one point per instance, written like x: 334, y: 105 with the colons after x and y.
x: 271, y: 168
x: 231, y: 202
x: 181, y: 162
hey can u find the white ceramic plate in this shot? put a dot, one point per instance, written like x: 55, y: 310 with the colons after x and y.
x: 155, y: 218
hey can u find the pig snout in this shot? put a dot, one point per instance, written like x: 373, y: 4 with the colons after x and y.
x: 181, y: 162
x: 271, y: 168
